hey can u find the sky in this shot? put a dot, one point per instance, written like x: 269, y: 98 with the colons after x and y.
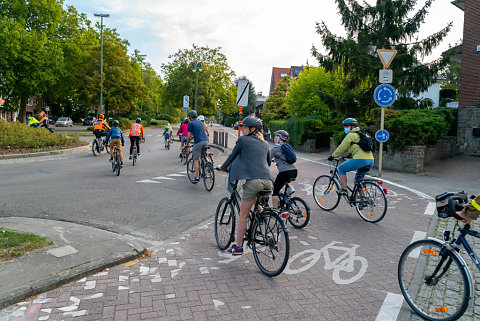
x: 255, y: 35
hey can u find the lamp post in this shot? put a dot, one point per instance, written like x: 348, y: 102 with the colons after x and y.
x: 141, y: 78
x: 196, y: 67
x: 101, y: 15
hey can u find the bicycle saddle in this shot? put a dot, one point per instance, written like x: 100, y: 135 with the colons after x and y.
x: 364, y: 169
x: 290, y: 180
x: 264, y: 192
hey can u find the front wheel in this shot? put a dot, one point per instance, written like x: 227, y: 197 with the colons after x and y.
x: 209, y: 176
x: 370, y: 202
x: 224, y: 224
x: 271, y: 246
x: 299, y: 212
x: 95, y: 148
x: 325, y: 192
x: 118, y: 164
x: 107, y: 148
x: 191, y: 170
x: 433, y: 281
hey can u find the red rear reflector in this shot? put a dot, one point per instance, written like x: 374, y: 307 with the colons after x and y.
x: 385, y: 191
x: 285, y: 215
x: 211, y: 154
x: 379, y: 182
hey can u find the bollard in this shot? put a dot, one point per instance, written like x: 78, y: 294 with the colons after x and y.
x: 226, y: 140
x: 215, y: 137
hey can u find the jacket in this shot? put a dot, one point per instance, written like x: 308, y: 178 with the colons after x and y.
x: 183, y: 130
x: 115, y: 133
x: 282, y: 165
x: 348, y: 144
x: 101, y: 125
x: 136, y: 130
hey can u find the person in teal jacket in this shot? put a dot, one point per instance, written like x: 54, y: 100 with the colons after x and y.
x: 360, y: 158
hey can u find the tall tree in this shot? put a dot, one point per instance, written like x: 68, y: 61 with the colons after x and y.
x: 275, y: 104
x: 389, y: 24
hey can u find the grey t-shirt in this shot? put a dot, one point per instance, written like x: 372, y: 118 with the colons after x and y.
x: 282, y: 165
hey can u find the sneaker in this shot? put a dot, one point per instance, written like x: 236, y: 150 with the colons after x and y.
x: 236, y: 250
x: 130, y: 157
x: 196, y: 180
x: 342, y: 192
x: 121, y: 165
x: 290, y: 191
x: 111, y: 160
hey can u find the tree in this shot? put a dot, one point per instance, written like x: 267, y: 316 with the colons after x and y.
x: 275, y: 104
x: 214, y: 80
x: 387, y: 25
x: 156, y: 90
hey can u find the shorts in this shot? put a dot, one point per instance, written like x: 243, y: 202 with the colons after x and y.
x: 99, y: 133
x: 353, y: 164
x: 282, y: 179
x: 167, y: 137
x: 197, y: 149
x: 253, y: 186
x: 183, y: 139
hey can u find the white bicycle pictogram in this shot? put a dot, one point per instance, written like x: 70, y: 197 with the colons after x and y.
x: 342, y: 266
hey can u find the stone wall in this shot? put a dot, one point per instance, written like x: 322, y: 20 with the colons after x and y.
x: 468, y: 118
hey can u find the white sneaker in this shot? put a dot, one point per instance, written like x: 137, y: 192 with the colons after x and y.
x: 130, y: 157
x: 290, y: 190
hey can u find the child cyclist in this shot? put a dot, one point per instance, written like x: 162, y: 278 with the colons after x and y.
x: 166, y: 134
x: 136, y: 133
x: 183, y: 131
x: 116, y: 135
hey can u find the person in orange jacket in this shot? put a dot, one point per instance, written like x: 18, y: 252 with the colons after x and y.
x: 136, y: 133
x: 44, y: 121
x: 100, y: 127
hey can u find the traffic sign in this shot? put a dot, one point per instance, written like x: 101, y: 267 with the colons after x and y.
x: 386, y: 56
x: 242, y: 92
x: 185, y: 102
x: 385, y: 76
x: 382, y: 135
x: 384, y: 95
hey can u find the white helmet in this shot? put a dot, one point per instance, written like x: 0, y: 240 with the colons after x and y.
x: 201, y: 118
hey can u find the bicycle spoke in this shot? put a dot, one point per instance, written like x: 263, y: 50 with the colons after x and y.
x: 325, y: 192
x: 370, y: 202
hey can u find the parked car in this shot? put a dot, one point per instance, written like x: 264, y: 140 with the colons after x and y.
x: 89, y: 121
x: 51, y: 121
x: 64, y: 122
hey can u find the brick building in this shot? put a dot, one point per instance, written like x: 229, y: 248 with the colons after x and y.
x: 279, y: 73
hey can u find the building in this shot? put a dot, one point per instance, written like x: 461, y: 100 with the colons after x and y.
x: 279, y: 73
x: 432, y: 95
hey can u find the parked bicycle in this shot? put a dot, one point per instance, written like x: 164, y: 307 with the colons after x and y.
x: 116, y: 164
x: 367, y: 196
x: 434, y: 278
x: 205, y: 165
x: 98, y: 146
x: 293, y: 209
x: 134, y: 151
x: 266, y: 234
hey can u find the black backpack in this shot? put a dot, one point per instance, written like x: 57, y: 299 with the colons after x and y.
x: 289, y: 154
x: 367, y: 143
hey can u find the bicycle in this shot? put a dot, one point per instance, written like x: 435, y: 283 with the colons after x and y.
x: 116, y: 164
x: 185, y: 153
x: 266, y: 234
x: 433, y: 277
x: 294, y: 210
x: 134, y: 151
x: 98, y: 145
x: 368, y: 198
x: 167, y: 144
x: 205, y: 167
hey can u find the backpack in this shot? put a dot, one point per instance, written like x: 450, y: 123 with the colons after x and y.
x: 289, y: 154
x: 366, y: 143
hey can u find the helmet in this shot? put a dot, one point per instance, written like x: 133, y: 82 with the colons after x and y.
x: 115, y: 123
x: 166, y: 127
x: 201, y: 117
x: 42, y: 113
x: 350, y: 122
x: 192, y: 113
x: 138, y: 120
x: 282, y: 134
x: 251, y: 121
x: 101, y: 117
x: 168, y: 123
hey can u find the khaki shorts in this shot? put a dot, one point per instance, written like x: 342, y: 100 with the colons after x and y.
x: 253, y: 186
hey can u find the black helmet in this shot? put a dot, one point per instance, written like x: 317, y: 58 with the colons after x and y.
x: 350, y: 122
x: 115, y: 123
x: 192, y: 113
x: 251, y: 121
x: 138, y: 120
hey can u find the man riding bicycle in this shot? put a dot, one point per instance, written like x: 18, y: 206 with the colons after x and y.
x: 136, y: 133
x: 360, y: 158
x: 196, y: 129
x: 100, y: 128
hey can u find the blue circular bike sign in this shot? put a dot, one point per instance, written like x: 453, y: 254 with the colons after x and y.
x: 384, y: 95
x: 382, y: 135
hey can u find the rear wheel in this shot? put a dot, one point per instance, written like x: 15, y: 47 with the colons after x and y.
x: 299, y: 212
x: 271, y: 246
x: 107, y: 148
x: 209, y: 176
x: 370, y: 202
x: 134, y: 159
x: 95, y: 148
x: 190, y: 170
x: 118, y: 165
x: 224, y: 223
x: 325, y: 192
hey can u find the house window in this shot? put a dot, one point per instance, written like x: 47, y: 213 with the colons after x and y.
x: 283, y: 75
x: 30, y: 101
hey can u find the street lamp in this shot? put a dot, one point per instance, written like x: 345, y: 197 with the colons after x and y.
x: 101, y: 15
x: 196, y: 67
x: 141, y: 69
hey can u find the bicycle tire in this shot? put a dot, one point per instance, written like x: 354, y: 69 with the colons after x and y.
x: 118, y: 164
x: 325, y: 192
x: 299, y: 212
x: 114, y: 165
x: 271, y: 245
x: 209, y: 176
x: 431, y: 301
x: 95, y: 148
x: 191, y: 170
x: 373, y: 205
x: 134, y: 159
x: 224, y: 223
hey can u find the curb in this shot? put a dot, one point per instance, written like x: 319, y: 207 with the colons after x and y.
x: 61, y: 278
x: 49, y: 153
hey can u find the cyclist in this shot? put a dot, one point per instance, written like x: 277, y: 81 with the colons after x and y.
x: 183, y: 131
x: 360, y: 158
x: 44, y: 121
x: 116, y: 135
x: 250, y: 160
x: 170, y: 129
x: 202, y: 119
x: 136, y: 133
x: 196, y: 129
x: 32, y: 122
x: 286, y: 171
x: 100, y: 127
x: 166, y: 134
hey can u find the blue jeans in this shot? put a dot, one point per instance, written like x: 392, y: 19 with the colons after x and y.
x: 355, y: 164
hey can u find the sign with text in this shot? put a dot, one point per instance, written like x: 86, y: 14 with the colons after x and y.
x: 186, y: 101
x: 385, y: 76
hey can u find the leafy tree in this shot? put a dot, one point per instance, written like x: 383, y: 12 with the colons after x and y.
x: 156, y: 90
x: 387, y: 25
x: 214, y: 81
x: 276, y: 107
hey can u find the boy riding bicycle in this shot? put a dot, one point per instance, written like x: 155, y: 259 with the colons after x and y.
x: 166, y: 134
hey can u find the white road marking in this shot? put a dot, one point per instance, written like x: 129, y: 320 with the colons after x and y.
x: 163, y: 177
x: 90, y: 285
x: 431, y: 207
x: 176, y: 175
x: 76, y: 313
x: 218, y: 303
x: 148, y: 181
x: 418, y: 235
x: 123, y: 287
x: 390, y: 307
x: 122, y: 278
x: 170, y: 296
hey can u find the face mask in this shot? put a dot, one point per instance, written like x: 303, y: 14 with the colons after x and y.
x: 346, y: 130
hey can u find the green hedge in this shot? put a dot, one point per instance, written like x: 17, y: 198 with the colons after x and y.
x: 230, y: 121
x: 166, y: 117
x: 300, y: 129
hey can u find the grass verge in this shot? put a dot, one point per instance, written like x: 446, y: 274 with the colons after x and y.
x: 15, y: 244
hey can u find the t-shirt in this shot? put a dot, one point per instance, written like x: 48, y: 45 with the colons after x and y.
x: 197, y: 129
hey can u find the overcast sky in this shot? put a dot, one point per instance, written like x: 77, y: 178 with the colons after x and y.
x: 254, y: 35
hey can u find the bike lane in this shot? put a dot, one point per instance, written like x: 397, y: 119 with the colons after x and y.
x: 340, y: 268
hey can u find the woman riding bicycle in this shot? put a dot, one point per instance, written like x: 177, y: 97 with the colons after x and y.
x: 250, y: 160
x: 360, y: 158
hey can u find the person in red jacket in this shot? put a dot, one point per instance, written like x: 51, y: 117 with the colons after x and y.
x: 183, y: 131
x: 136, y: 133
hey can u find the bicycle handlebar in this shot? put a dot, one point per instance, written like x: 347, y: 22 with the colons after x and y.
x: 457, y: 206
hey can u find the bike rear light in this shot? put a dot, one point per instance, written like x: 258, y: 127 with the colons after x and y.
x: 385, y: 191
x: 211, y: 154
x: 380, y: 182
x: 285, y: 215
x: 430, y: 252
x: 441, y: 309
